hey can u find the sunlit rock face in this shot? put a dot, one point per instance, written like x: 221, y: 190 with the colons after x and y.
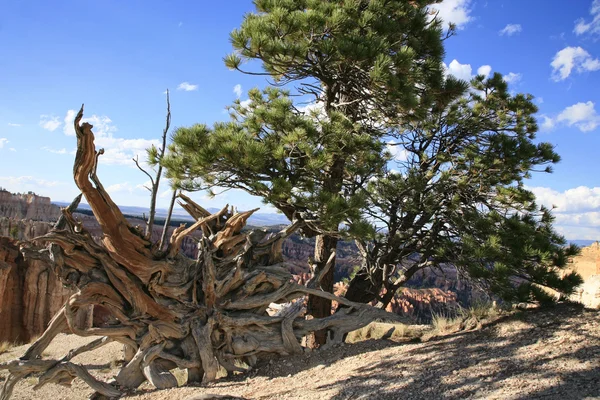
x: 587, y: 264
x: 28, y: 206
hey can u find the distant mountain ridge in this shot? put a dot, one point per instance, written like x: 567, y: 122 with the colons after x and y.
x: 257, y: 219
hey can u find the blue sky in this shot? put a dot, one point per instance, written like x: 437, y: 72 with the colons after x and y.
x: 119, y: 57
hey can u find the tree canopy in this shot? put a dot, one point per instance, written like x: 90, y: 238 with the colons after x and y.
x: 391, y: 151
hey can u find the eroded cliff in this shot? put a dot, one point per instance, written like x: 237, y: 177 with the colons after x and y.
x: 28, y: 206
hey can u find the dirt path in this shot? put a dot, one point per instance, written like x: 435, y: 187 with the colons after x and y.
x: 539, y: 354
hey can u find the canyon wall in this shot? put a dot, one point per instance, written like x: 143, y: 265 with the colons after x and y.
x: 30, y: 291
x: 28, y: 206
x: 31, y: 294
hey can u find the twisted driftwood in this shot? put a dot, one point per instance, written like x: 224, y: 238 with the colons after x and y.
x: 169, y: 310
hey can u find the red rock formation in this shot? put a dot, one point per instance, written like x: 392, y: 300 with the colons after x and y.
x: 419, y: 304
x: 31, y: 294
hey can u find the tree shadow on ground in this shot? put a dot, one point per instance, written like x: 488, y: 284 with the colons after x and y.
x: 490, y: 363
x: 534, y: 354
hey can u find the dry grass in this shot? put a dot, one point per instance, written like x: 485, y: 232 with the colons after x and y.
x: 6, y: 347
x: 381, y: 330
x: 464, y: 319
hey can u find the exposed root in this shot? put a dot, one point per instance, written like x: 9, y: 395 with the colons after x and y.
x: 168, y: 310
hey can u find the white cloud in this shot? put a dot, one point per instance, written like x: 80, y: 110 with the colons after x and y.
x: 398, y: 152
x: 582, y: 115
x: 245, y: 103
x: 460, y: 71
x: 592, y: 27
x: 512, y: 77
x: 186, y: 86
x: 547, y: 123
x: 511, y: 29
x: 61, y: 151
x: 317, y: 108
x: 24, y: 182
x: 120, y: 187
x: 102, y: 124
x: 117, y: 151
x: 68, y: 129
x: 3, y: 141
x: 484, y: 70
x: 577, y: 210
x: 465, y: 71
x: 144, y: 186
x: 571, y: 58
x: 49, y: 122
x: 12, y: 149
x: 455, y: 12
x: 237, y: 89
x: 539, y: 100
x: 581, y: 199
x: 11, y: 124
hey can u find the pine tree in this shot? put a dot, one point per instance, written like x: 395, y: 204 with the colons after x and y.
x: 359, y: 63
x: 373, y: 74
x: 457, y: 198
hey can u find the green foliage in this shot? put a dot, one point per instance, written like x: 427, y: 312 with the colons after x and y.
x: 459, y: 198
x: 359, y: 62
x: 373, y: 73
x: 14, y: 232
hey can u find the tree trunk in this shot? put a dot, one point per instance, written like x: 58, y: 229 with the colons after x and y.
x: 170, y: 310
x: 324, y: 266
x: 163, y: 235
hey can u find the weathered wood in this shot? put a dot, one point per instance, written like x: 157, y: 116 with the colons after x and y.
x: 171, y: 311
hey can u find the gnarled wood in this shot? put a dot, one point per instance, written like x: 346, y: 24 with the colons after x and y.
x: 168, y: 310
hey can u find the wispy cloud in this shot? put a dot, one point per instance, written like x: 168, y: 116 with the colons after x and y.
x: 61, y: 151
x: 237, y: 89
x: 12, y: 149
x: 11, y: 124
x: 3, y: 141
x: 512, y: 77
x: 592, y: 27
x: 49, y: 122
x: 510, y: 29
x: 21, y: 181
x: 187, y: 87
x: 572, y: 58
x: 546, y: 123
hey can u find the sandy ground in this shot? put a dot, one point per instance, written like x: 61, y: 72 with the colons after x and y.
x: 550, y: 354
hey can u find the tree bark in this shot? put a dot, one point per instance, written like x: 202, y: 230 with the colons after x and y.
x: 323, y: 270
x: 163, y: 235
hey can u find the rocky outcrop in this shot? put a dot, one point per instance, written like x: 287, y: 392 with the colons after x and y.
x: 24, y: 229
x: 28, y: 206
x: 587, y: 264
x: 31, y: 294
x: 588, y: 293
x: 418, y: 304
